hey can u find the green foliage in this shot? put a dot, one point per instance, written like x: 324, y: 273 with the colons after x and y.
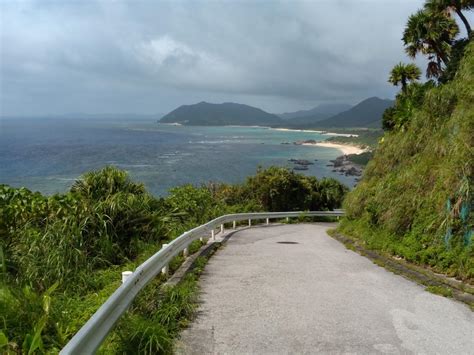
x: 449, y: 7
x: 407, y: 102
x: 280, y: 189
x: 457, y: 53
x: 65, y: 241
x: 440, y: 290
x: 403, y: 74
x: 101, y: 184
x: 195, y: 205
x: 361, y: 159
x: 415, y: 199
x: 431, y: 34
x: 76, y: 244
x: 24, y: 315
x: 63, y: 237
x: 157, y: 317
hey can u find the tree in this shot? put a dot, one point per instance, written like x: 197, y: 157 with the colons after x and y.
x: 404, y: 73
x: 448, y: 7
x: 430, y: 34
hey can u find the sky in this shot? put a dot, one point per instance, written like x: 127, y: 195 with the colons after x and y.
x: 149, y: 57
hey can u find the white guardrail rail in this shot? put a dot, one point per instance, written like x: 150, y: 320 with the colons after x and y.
x: 93, y: 333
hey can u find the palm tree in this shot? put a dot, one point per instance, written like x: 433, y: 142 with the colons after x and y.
x: 100, y: 184
x: 447, y: 7
x: 404, y: 73
x: 431, y: 34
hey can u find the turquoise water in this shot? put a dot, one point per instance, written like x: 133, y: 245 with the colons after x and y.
x: 48, y: 154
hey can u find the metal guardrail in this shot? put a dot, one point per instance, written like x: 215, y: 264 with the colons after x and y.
x: 88, y: 339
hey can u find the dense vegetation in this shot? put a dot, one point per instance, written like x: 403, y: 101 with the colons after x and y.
x: 61, y: 256
x: 416, y: 196
x: 360, y: 159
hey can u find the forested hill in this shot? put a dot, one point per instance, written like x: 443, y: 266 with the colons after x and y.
x: 207, y: 114
x: 415, y: 199
x: 367, y: 113
x: 321, y: 111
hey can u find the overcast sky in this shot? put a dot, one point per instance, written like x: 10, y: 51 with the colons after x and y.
x: 106, y: 56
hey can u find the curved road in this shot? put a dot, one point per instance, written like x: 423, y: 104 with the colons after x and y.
x: 262, y: 296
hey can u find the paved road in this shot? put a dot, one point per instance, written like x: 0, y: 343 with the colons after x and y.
x: 263, y: 297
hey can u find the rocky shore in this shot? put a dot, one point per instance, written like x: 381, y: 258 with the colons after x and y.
x: 344, y: 166
x: 301, y: 164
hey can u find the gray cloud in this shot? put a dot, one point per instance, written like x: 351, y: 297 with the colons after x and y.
x: 151, y: 56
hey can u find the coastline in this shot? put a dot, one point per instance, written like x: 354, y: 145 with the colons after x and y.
x: 345, y: 149
x: 324, y: 133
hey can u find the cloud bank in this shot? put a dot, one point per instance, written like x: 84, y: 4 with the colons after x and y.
x: 103, y: 56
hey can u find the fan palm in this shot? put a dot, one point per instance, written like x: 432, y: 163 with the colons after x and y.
x: 451, y: 6
x: 98, y: 185
x: 431, y: 34
x: 404, y: 73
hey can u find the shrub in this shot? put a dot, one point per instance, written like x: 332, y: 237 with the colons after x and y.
x: 280, y: 189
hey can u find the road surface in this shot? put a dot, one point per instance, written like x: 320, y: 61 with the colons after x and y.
x: 292, y: 289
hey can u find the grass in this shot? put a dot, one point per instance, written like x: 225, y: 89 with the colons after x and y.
x: 415, y: 199
x: 434, y: 283
x: 157, y: 316
x: 361, y: 159
x: 440, y: 290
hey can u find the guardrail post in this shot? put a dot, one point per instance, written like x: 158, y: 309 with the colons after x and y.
x: 222, y: 228
x: 234, y: 224
x: 186, y: 252
x: 165, y: 268
x: 268, y: 221
x: 126, y: 275
x: 287, y: 219
x: 213, y: 236
x: 250, y: 222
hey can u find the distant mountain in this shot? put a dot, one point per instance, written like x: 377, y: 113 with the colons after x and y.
x: 321, y: 111
x: 367, y: 113
x: 207, y: 114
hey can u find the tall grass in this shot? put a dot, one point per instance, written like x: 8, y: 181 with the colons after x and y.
x: 415, y: 199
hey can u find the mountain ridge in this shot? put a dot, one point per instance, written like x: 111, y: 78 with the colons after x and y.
x: 321, y: 110
x: 227, y: 113
x: 367, y: 113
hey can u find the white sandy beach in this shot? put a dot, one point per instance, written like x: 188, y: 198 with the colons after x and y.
x: 344, y: 148
x: 324, y: 133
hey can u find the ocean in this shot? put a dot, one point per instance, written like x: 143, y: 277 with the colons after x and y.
x: 49, y: 154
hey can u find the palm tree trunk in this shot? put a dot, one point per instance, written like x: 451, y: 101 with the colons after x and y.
x: 440, y: 67
x: 404, y: 84
x: 465, y: 21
